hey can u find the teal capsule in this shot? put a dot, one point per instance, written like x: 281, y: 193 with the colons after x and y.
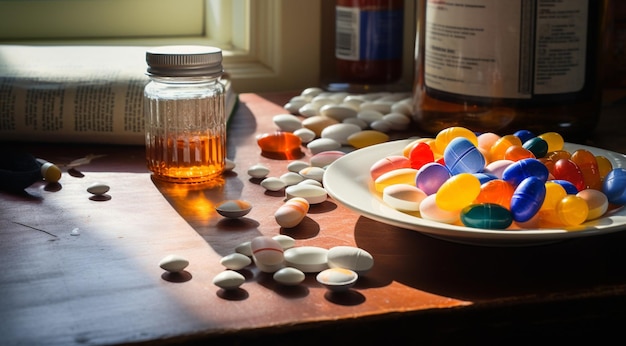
x: 537, y: 145
x: 486, y: 215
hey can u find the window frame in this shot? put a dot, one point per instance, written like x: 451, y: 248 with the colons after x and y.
x: 271, y: 57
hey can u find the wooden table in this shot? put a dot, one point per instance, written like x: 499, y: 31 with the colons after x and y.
x: 104, y: 286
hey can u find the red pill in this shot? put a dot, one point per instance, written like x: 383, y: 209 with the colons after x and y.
x: 420, y: 155
x: 387, y: 164
x: 588, y: 165
x: 565, y: 169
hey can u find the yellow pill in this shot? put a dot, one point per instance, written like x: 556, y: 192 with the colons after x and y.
x: 445, y: 136
x: 366, y: 138
x: 458, y: 192
x: 554, y: 139
x: 397, y: 176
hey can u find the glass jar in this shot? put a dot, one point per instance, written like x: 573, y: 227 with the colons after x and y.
x: 184, y: 113
x: 501, y: 66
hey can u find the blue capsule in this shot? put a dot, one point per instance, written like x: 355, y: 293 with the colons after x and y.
x: 614, y: 186
x: 524, y: 135
x: 516, y: 172
x: 486, y: 215
x: 462, y: 156
x: 527, y: 199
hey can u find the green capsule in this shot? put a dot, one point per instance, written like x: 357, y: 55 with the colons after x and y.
x: 537, y: 145
x: 487, y: 216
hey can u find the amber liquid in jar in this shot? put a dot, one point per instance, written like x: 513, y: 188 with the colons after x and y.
x: 546, y: 76
x: 186, y: 140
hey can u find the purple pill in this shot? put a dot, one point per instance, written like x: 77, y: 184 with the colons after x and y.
x: 527, y: 199
x: 431, y: 176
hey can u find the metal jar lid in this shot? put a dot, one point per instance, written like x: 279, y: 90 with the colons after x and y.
x: 184, y: 61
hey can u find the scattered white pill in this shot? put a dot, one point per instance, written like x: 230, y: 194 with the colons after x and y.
x: 273, y: 184
x: 319, y: 145
x: 229, y: 165
x: 289, y: 276
x: 233, y: 208
x: 244, y: 249
x: 306, y: 135
x: 235, y: 261
x: 315, y: 173
x: 313, y: 194
x: 287, y: 122
x: 308, y: 259
x: 337, y: 279
x: 350, y: 257
x: 297, y: 166
x: 291, y: 178
x: 258, y: 171
x: 285, y: 241
x: 292, y: 212
x: 75, y: 232
x: 98, y: 189
x: 173, y: 263
x: 228, y: 279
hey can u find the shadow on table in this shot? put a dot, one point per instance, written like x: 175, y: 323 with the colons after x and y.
x: 476, y: 273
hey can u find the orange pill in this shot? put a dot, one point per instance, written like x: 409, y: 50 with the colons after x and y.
x: 498, y: 149
x: 518, y: 152
x: 604, y: 165
x: 280, y: 145
x: 588, y: 165
x: 496, y: 191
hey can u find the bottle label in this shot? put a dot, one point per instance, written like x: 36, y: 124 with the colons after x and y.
x: 506, y: 49
x: 368, y: 34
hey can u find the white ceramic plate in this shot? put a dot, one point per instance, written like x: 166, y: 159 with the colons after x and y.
x: 347, y: 180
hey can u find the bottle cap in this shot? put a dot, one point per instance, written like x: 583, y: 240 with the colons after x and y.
x: 184, y: 61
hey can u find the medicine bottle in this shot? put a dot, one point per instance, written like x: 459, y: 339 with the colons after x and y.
x: 184, y: 113
x: 368, y: 40
x: 505, y: 65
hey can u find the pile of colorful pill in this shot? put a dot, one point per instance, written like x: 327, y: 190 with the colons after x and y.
x: 487, y: 181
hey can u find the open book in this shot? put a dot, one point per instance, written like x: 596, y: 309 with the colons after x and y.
x: 76, y: 94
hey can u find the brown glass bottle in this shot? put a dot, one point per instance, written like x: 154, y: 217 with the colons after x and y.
x: 500, y: 66
x: 368, y: 40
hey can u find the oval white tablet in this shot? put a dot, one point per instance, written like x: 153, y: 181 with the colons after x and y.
x: 308, y: 259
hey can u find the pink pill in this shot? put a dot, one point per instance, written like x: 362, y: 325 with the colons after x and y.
x: 387, y: 164
x: 430, y: 211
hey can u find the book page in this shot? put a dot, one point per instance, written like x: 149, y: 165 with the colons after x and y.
x: 75, y: 94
